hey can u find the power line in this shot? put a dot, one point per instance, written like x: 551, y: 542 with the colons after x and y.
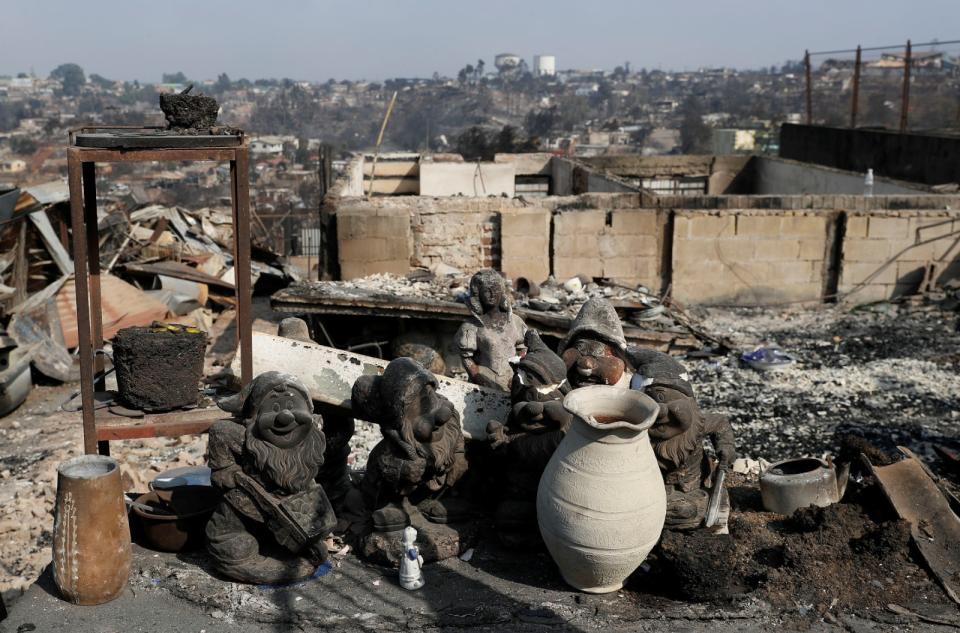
x: 885, y: 48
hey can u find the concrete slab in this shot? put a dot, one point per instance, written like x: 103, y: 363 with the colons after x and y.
x: 497, y: 590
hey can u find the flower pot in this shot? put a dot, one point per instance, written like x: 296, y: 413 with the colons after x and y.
x: 91, y: 536
x: 159, y: 367
x: 601, y: 502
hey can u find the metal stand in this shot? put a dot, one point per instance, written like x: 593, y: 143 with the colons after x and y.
x: 100, y: 428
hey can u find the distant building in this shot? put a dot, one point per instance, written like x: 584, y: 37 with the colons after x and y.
x: 12, y: 166
x: 506, y: 62
x: 731, y: 141
x: 544, y: 66
x: 267, y: 145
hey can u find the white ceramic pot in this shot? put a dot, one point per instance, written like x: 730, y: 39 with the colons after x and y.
x: 601, y: 501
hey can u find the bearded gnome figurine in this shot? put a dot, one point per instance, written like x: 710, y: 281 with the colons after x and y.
x: 422, y: 451
x: 595, y: 352
x: 271, y: 524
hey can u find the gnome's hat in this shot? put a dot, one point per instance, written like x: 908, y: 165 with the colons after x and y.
x: 541, y: 362
x: 382, y: 399
x: 598, y: 319
x: 656, y: 368
x: 242, y: 404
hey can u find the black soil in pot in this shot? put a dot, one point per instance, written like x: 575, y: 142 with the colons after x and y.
x: 159, y: 367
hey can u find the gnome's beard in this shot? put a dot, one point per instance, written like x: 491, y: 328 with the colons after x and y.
x: 672, y: 453
x: 289, y: 469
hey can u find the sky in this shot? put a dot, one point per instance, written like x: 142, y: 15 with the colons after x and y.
x: 316, y: 40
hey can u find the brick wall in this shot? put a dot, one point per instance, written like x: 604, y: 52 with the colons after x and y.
x: 748, y: 257
x: 460, y: 233
x: 872, y: 241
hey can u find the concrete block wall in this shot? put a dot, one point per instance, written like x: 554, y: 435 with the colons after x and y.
x: 722, y: 249
x: 622, y: 244
x: 872, y: 240
x: 525, y: 243
x: 373, y: 240
x: 748, y: 257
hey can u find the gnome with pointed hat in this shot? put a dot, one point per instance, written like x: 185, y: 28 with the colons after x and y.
x: 271, y: 524
x: 595, y: 351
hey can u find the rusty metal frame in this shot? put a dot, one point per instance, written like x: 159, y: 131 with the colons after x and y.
x: 81, y: 170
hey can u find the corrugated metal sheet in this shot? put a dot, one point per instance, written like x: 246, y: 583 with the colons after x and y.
x: 122, y: 306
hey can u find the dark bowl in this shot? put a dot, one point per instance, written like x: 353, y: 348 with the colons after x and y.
x: 178, y: 525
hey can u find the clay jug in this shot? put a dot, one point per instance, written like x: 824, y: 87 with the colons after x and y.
x: 91, y: 536
x: 601, y: 501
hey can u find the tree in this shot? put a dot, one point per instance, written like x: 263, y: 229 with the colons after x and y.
x: 174, y: 78
x: 101, y: 81
x: 22, y: 145
x: 541, y: 122
x: 480, y: 65
x: 71, y: 77
x: 694, y: 133
x: 302, y: 155
x: 474, y: 144
x: 223, y: 83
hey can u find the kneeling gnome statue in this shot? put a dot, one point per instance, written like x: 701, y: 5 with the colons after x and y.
x: 270, y: 526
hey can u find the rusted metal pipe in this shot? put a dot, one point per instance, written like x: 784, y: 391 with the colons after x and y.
x: 905, y: 104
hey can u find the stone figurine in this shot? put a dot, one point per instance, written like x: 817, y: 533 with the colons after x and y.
x: 274, y: 517
x: 422, y: 450
x: 523, y: 446
x: 493, y: 335
x: 678, y: 437
x: 338, y: 430
x: 411, y: 572
x: 595, y: 351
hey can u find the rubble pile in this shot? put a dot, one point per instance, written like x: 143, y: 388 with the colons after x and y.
x: 157, y: 263
x: 637, y: 305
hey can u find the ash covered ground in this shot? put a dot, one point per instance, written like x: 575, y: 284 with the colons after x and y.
x: 887, y: 372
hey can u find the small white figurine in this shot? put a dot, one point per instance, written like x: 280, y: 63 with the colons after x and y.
x: 410, y: 575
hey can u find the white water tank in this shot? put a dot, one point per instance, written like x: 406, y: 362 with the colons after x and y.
x: 506, y: 61
x: 544, y: 65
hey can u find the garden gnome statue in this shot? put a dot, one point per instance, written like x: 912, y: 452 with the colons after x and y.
x: 678, y: 434
x: 493, y: 335
x: 271, y: 524
x: 596, y: 352
x: 523, y: 446
x: 411, y: 573
x: 422, y: 450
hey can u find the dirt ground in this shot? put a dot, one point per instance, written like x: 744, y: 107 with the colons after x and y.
x: 887, y: 374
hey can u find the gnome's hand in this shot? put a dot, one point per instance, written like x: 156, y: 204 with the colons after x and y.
x: 413, y: 470
x: 497, y: 435
x: 225, y: 478
x: 555, y: 416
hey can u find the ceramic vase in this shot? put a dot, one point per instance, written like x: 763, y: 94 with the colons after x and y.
x: 601, y: 502
x: 91, y: 535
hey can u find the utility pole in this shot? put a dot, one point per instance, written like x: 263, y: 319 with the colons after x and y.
x: 806, y: 65
x: 856, y: 90
x: 905, y: 104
